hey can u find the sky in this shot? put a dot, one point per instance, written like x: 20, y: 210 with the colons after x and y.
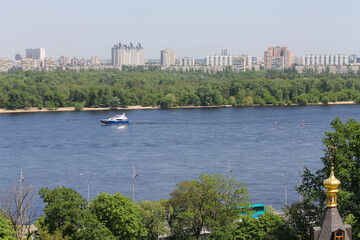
x: 193, y: 28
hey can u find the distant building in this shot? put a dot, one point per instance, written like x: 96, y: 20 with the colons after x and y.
x: 248, y: 60
x: 277, y: 63
x: 274, y: 53
x: 128, y: 55
x: 219, y: 60
x: 27, y: 64
x: 224, y: 52
x: 38, y: 64
x: 187, y: 61
x: 324, y: 59
x: 353, y: 58
x: 95, y: 60
x: 74, y: 61
x: 5, y: 64
x: 35, y: 53
x: 18, y: 57
x: 50, y: 64
x: 239, y: 63
x: 167, y: 57
x: 64, y: 61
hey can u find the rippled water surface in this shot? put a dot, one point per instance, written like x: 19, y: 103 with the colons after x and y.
x: 166, y: 147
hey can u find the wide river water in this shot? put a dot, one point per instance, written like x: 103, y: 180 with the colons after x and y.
x: 167, y: 147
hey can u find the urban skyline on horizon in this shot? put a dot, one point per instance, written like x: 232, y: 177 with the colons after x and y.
x: 219, y: 52
x: 196, y: 29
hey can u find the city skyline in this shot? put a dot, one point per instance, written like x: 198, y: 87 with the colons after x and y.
x: 192, y: 29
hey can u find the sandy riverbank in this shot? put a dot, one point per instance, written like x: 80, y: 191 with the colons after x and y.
x: 70, y: 109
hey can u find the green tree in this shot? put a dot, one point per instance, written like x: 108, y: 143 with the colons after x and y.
x: 78, y: 107
x: 119, y: 214
x: 268, y: 226
x: 168, y: 101
x: 346, y: 139
x: 301, y: 217
x: 154, y: 216
x: 208, y: 203
x: 66, y: 213
x: 7, y: 231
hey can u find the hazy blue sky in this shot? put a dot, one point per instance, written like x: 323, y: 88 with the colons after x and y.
x: 196, y: 28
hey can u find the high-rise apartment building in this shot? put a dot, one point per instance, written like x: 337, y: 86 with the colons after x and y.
x: 219, y: 60
x: 324, y: 59
x: 35, y: 53
x: 128, y: 55
x: 167, y: 57
x: 273, y: 53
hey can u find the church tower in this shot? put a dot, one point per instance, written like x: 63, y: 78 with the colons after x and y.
x: 331, y: 225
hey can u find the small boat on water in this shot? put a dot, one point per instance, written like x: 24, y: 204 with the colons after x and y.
x: 118, y: 119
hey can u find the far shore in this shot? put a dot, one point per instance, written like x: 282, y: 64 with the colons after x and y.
x: 71, y: 109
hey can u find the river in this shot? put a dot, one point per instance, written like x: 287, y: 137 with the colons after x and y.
x: 166, y: 147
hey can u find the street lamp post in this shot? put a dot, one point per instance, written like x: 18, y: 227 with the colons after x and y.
x: 133, y: 176
x: 285, y: 183
x: 88, y: 183
x: 228, y: 169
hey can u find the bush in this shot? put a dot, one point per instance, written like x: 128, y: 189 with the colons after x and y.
x: 78, y: 107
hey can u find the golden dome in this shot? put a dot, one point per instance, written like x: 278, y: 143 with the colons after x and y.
x: 332, y: 182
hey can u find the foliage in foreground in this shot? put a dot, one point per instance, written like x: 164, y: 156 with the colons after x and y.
x: 346, y: 139
x: 208, y: 203
x: 6, y: 229
x: 119, y: 214
x: 154, y: 215
x: 65, y: 214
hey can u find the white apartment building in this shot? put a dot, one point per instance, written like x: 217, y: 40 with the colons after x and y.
x: 324, y: 59
x: 187, y: 61
x: 35, y: 53
x: 128, y: 55
x: 219, y: 60
x: 248, y: 60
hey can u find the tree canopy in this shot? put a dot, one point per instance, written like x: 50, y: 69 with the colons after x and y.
x: 346, y: 139
x: 112, y: 88
x: 120, y: 215
x: 205, y: 204
x: 66, y: 214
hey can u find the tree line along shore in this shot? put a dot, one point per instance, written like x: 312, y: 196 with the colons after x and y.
x: 135, y: 88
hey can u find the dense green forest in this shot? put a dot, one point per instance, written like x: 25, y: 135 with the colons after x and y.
x: 111, y: 88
